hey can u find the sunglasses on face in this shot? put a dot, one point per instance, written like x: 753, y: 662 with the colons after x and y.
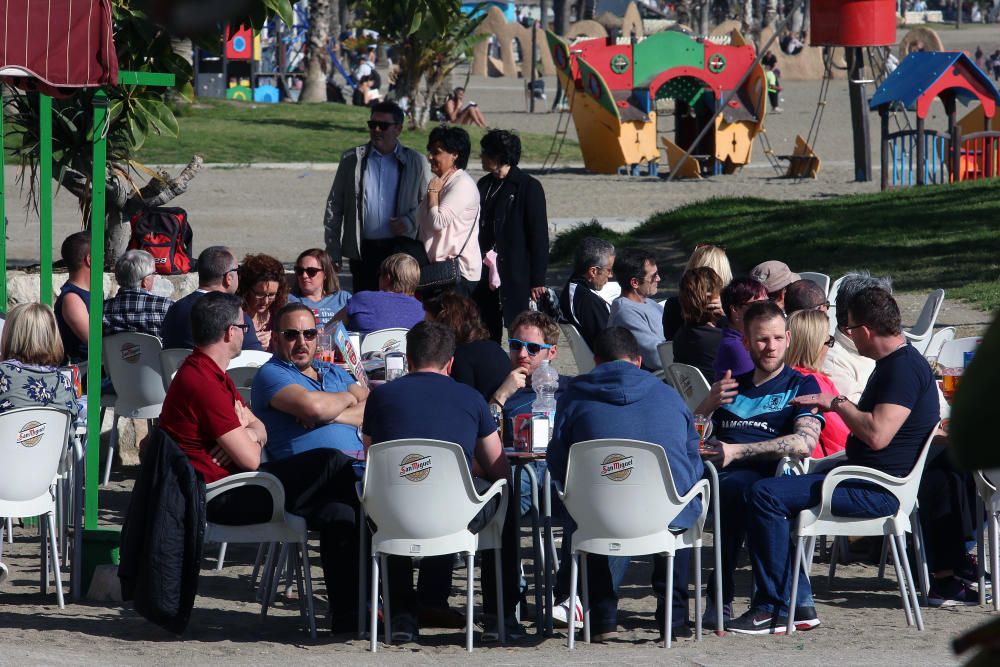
x: 379, y: 125
x: 830, y: 341
x: 242, y: 326
x: 310, y: 271
x: 532, y: 348
x: 293, y: 334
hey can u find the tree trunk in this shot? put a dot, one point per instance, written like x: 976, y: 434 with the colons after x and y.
x: 317, y: 60
x: 559, y: 7
x: 746, y: 19
x: 706, y: 10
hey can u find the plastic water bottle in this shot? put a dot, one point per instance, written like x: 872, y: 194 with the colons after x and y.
x: 545, y: 382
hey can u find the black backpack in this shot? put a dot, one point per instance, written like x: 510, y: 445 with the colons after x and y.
x: 166, y: 235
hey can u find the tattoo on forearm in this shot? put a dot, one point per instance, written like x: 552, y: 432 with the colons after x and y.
x: 799, y: 444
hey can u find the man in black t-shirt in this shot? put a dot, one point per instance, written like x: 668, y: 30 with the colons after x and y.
x: 428, y: 403
x: 896, y: 414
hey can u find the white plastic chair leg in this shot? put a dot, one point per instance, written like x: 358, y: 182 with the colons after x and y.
x: 112, y: 444
x: 571, y: 616
x: 386, y: 611
x: 995, y: 558
x: 222, y: 557
x: 908, y: 573
x: 796, y: 564
x: 469, y: 567
x: 697, y: 592
x: 668, y: 602
x: 54, y: 546
x: 902, y: 580
x: 257, y: 561
x: 310, y: 604
x: 586, y: 598
x: 373, y: 610
x: 362, y: 574
x: 264, y: 590
x: 981, y: 550
x: 923, y: 575
x: 885, y: 555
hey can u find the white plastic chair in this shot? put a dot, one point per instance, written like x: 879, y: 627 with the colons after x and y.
x: 666, y: 352
x: 384, y: 341
x: 988, y: 513
x: 952, y: 354
x: 282, y: 528
x: 938, y: 341
x: 34, y: 441
x: 832, y: 298
x: 820, y: 520
x: 582, y: 354
x: 920, y: 333
x: 689, y: 383
x: 170, y: 361
x: 611, y: 291
x: 249, y: 359
x: 820, y: 279
x: 420, y: 495
x: 602, y: 501
x: 133, y: 364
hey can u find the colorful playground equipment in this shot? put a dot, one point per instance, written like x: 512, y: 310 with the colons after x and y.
x: 966, y: 150
x: 613, y: 88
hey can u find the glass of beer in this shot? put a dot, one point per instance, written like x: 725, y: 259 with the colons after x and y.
x: 701, y: 426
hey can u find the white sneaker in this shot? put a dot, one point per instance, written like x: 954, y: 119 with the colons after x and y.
x: 560, y: 613
x: 3, y: 574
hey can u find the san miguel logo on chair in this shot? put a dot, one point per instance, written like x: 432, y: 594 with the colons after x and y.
x: 415, y: 467
x: 130, y: 353
x: 30, y: 434
x: 616, y: 467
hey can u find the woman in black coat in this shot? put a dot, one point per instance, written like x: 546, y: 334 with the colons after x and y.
x: 514, y: 225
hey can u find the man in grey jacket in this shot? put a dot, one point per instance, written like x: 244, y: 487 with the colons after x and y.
x: 635, y: 309
x: 372, y: 207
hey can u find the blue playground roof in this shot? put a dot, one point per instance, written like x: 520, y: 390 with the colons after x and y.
x: 920, y: 70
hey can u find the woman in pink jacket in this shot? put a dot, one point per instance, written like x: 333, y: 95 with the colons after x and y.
x: 810, y: 341
x: 448, y: 217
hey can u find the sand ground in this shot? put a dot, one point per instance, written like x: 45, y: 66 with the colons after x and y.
x: 279, y: 210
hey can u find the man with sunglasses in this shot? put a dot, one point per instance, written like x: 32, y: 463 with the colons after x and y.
x: 580, y: 301
x: 217, y: 272
x: 371, y: 209
x: 306, y: 404
x: 636, y: 309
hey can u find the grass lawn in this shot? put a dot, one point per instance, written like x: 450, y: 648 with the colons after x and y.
x: 224, y: 131
x: 944, y: 236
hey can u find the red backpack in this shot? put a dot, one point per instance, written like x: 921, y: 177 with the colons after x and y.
x: 166, y: 235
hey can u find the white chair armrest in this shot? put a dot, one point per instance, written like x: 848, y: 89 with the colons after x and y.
x: 495, y: 489
x: 262, y: 479
x: 560, y: 491
x: 861, y: 473
x: 809, y: 465
x: 702, y: 489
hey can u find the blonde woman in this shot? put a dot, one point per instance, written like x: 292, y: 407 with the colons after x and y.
x: 393, y: 305
x: 32, y: 352
x: 704, y: 254
x: 810, y: 341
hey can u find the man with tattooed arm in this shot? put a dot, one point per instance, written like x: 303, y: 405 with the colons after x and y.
x: 756, y: 424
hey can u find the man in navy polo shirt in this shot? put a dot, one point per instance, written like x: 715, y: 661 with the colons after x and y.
x: 428, y: 403
x: 303, y: 403
x: 755, y: 424
x: 897, y: 412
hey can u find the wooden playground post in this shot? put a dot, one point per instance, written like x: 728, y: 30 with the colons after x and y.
x: 921, y: 152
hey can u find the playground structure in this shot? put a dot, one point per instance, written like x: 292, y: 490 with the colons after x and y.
x: 968, y: 150
x: 613, y: 89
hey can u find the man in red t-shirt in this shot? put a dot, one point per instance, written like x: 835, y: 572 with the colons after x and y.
x: 206, y: 417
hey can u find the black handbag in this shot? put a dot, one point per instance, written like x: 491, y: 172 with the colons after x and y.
x: 445, y: 273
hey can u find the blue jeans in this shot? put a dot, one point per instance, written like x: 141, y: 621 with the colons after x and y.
x: 539, y: 468
x: 774, y: 506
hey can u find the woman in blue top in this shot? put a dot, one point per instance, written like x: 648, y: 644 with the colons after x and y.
x: 317, y: 285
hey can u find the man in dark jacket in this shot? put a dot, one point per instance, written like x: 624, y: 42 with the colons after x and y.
x: 514, y: 225
x: 580, y: 302
x: 619, y: 400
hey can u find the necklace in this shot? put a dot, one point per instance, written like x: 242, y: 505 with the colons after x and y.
x: 491, y: 193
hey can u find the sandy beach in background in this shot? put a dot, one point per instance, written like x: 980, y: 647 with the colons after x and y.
x: 279, y: 210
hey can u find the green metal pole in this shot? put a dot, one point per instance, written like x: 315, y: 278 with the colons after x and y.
x: 45, y: 198
x: 95, y: 337
x: 3, y: 216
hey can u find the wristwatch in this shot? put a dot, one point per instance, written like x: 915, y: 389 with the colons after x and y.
x: 837, y: 401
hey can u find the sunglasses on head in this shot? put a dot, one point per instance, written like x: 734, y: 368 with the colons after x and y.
x: 293, y: 334
x: 532, y: 348
x: 379, y: 124
x: 310, y: 271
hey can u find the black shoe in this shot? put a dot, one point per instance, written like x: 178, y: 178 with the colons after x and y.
x: 604, y: 633
x: 969, y: 572
x: 682, y: 631
x: 756, y: 622
x: 404, y: 628
x: 343, y: 624
x: 513, y: 631
x: 805, y: 619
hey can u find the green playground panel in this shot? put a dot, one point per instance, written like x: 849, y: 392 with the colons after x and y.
x: 662, y: 51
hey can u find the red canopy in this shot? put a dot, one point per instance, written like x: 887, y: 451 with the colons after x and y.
x: 59, y: 43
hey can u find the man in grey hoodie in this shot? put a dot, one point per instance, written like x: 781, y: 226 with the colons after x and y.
x: 635, y: 309
x: 619, y: 400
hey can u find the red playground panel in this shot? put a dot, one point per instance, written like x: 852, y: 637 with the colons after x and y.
x: 852, y: 22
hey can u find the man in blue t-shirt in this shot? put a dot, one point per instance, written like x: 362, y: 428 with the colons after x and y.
x: 428, y: 403
x: 304, y: 404
x: 755, y: 424
x: 897, y: 412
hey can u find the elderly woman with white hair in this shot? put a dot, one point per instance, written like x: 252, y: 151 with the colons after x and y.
x: 135, y: 307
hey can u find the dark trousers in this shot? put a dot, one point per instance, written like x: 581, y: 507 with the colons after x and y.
x: 490, y: 308
x: 946, y: 511
x: 364, y: 271
x: 319, y: 486
x: 434, y: 581
x: 735, y: 482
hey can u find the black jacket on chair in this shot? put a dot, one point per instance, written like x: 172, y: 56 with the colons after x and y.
x: 520, y: 236
x: 163, y: 536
